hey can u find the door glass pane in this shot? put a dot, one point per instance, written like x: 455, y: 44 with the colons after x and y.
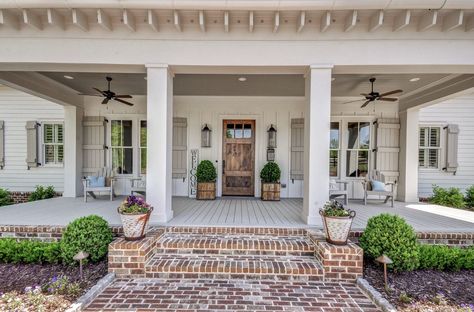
x: 333, y: 163
x: 127, y: 160
x: 116, y: 133
x: 247, y: 131
x: 364, y: 135
x: 127, y: 132
x: 117, y: 160
x: 239, y: 131
x: 143, y: 160
x: 143, y: 133
x: 334, y: 136
x: 230, y: 131
x: 351, y: 164
x: 352, y: 135
x: 363, y: 167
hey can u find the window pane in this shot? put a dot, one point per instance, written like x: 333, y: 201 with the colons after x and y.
x: 421, y: 157
x: 364, y: 135
x: 433, y: 158
x: 247, y: 131
x: 49, y: 154
x: 143, y: 160
x: 334, y: 136
x: 59, y: 133
x: 351, y: 164
x: 333, y: 163
x: 117, y: 160
x: 48, y: 133
x: 353, y: 132
x: 143, y: 133
x: 363, y: 163
x: 434, y: 137
x: 127, y: 160
x: 116, y: 133
x: 423, y: 137
x: 127, y: 132
x: 230, y: 131
x: 238, y: 131
x: 60, y: 149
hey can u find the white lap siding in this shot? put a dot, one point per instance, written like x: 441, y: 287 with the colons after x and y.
x: 458, y: 111
x: 16, y: 108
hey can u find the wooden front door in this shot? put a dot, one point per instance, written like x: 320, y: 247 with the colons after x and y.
x: 238, y: 164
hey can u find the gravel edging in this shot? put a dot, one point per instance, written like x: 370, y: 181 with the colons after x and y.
x: 376, y: 297
x: 92, y: 293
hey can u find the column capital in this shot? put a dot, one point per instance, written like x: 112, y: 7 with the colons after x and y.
x: 156, y: 65
x: 321, y: 66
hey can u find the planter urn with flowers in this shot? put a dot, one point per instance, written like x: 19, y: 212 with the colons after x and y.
x: 135, y: 213
x: 337, y: 222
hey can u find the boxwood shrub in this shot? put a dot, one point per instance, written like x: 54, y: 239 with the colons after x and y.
x: 42, y: 192
x: 451, y: 197
x: 391, y: 235
x: 440, y: 257
x: 90, y: 234
x: 5, y: 198
x: 270, y: 173
x: 26, y: 251
x: 206, y: 172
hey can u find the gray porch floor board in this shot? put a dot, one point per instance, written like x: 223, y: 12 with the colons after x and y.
x: 235, y: 212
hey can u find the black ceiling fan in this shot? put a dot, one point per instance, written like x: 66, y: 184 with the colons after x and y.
x: 376, y: 96
x: 110, y: 95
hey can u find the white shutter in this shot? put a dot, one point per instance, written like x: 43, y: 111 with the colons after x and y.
x: 93, y: 148
x: 2, y: 144
x: 32, y: 144
x: 452, y: 133
x: 297, y: 149
x: 387, y: 148
x: 180, y: 145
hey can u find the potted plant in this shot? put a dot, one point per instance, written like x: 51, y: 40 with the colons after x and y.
x: 270, y: 176
x: 134, y: 213
x: 337, y: 222
x: 206, y: 180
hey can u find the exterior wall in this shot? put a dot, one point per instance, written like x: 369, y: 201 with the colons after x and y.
x: 16, y: 108
x: 458, y: 111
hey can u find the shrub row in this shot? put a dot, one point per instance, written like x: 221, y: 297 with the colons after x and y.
x: 90, y: 234
x: 453, y: 197
x: 391, y: 235
x: 39, y: 193
x: 5, y: 198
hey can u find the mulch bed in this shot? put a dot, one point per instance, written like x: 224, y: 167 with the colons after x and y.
x: 16, y: 277
x: 423, y: 285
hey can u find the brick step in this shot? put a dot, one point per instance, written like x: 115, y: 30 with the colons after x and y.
x: 234, y: 244
x: 237, y: 230
x: 233, y: 267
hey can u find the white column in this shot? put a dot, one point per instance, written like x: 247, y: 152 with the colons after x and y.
x: 316, y: 141
x: 159, y: 141
x: 408, y: 160
x: 72, y: 151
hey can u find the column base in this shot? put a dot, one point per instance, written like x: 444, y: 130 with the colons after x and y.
x: 312, y: 220
x: 161, y: 217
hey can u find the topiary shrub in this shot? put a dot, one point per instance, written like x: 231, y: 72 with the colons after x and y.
x: 469, y: 199
x: 42, y: 192
x: 5, y: 198
x: 270, y: 173
x: 391, y: 235
x: 206, y: 172
x: 90, y: 234
x: 451, y: 197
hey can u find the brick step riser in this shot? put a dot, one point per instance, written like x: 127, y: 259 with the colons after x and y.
x: 196, y: 251
x: 231, y: 276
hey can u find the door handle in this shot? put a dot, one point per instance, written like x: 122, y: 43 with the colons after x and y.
x: 223, y: 167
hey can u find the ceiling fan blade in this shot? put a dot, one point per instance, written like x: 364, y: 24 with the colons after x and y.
x: 390, y: 92
x: 124, y: 102
x: 353, y: 101
x: 364, y: 94
x: 105, y: 101
x: 387, y: 99
x: 89, y: 94
x: 101, y: 92
x: 123, y: 96
x: 365, y: 104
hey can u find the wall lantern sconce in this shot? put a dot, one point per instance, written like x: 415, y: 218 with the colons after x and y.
x: 206, y: 136
x: 272, y: 137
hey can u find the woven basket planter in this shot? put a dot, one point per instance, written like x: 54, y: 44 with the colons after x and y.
x: 206, y: 190
x: 135, y: 226
x: 337, y: 228
x: 270, y: 191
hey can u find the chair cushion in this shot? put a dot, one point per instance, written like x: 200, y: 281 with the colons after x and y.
x: 95, y: 181
x: 377, y: 186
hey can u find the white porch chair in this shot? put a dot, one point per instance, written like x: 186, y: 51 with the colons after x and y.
x: 138, y: 185
x: 389, y: 191
x: 336, y: 191
x: 107, y: 173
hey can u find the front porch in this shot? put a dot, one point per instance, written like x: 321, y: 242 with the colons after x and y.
x: 236, y: 212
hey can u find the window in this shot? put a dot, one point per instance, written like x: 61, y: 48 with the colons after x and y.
x: 358, y: 147
x: 429, y: 147
x: 122, y: 149
x: 53, y: 143
x: 142, y: 147
x: 334, y: 146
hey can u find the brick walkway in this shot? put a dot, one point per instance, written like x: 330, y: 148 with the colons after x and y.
x: 229, y: 295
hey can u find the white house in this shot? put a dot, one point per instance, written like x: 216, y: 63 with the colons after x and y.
x: 237, y: 68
